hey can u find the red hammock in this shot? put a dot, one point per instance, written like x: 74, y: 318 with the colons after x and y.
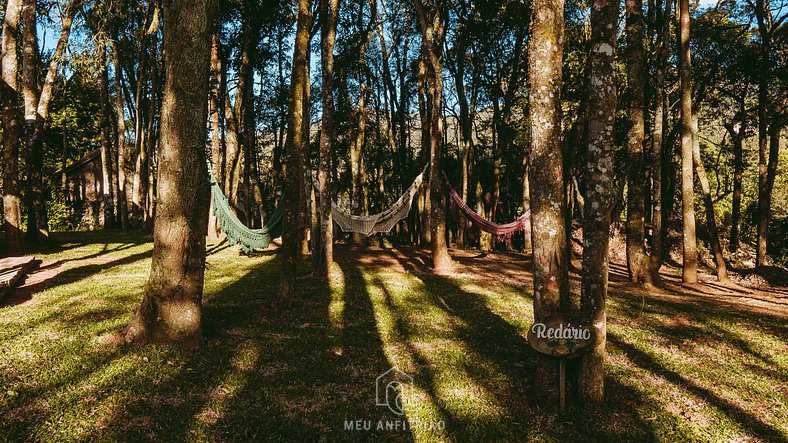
x: 500, y: 232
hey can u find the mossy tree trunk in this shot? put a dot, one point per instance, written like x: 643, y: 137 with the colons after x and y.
x: 550, y: 257
x: 637, y: 260
x: 600, y: 194
x: 657, y: 135
x: 12, y: 211
x: 171, y: 310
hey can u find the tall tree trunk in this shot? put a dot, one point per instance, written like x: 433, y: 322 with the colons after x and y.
x: 216, y: 136
x: 304, y: 170
x: 637, y: 260
x: 550, y: 256
x: 141, y: 162
x: 106, y: 146
x: 763, y: 16
x: 232, y: 176
x: 12, y: 212
x: 151, y: 139
x: 711, y: 222
x: 290, y: 235
x: 425, y: 236
x: 33, y: 156
x: 737, y: 130
x: 599, y: 195
x: 433, y: 33
x: 328, y: 30
x: 171, y: 310
x: 120, y: 163
x: 690, y: 265
x: 37, y: 110
x: 660, y: 93
x: 358, y: 181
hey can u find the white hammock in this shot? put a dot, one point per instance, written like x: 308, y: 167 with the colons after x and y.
x: 382, y: 222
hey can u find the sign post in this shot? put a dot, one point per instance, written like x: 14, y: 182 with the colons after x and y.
x: 562, y: 339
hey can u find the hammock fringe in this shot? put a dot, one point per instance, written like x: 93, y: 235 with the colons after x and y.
x: 235, y: 230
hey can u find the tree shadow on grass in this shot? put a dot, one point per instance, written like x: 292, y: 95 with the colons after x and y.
x: 272, y: 376
x: 748, y: 422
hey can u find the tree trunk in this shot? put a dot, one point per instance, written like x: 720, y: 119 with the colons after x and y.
x: 34, y: 157
x: 433, y: 33
x: 120, y: 175
x: 656, y: 141
x: 328, y: 30
x: 637, y: 260
x: 12, y: 212
x: 711, y: 222
x: 216, y: 136
x: 171, y: 310
x: 690, y: 265
x: 737, y: 130
x: 106, y: 147
x: 290, y: 234
x: 545, y: 163
x: 762, y: 14
x: 600, y: 173
x: 305, y: 173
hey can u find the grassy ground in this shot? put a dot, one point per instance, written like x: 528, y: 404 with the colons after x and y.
x: 676, y: 372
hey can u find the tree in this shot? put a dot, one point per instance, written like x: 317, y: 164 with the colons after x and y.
x: 12, y: 213
x: 328, y: 30
x: 637, y: 259
x: 36, y: 109
x: 660, y: 112
x: 290, y: 233
x: 433, y: 31
x: 690, y: 265
x: 171, y: 310
x: 545, y: 164
x: 599, y: 194
x: 708, y: 203
x: 767, y: 155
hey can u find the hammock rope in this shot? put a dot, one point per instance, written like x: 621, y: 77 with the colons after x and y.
x: 501, y: 233
x: 382, y: 222
x: 235, y: 230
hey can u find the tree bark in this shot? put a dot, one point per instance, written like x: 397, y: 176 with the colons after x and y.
x: 171, y: 310
x: 600, y: 174
x: 433, y: 33
x: 122, y: 149
x: 216, y: 136
x: 12, y: 212
x: 690, y: 265
x: 737, y: 130
x: 328, y: 33
x: 545, y: 163
x: 663, y: 38
x: 763, y: 16
x: 292, y: 191
x: 637, y: 260
x: 33, y: 156
x: 107, y: 190
x: 711, y: 222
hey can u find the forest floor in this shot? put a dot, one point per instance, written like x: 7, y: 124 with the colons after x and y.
x: 701, y: 363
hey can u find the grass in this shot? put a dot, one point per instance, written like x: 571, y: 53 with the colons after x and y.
x: 675, y: 372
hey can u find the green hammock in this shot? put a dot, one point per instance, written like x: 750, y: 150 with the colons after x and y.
x: 237, y: 232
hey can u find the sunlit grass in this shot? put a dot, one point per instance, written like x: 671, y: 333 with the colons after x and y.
x: 675, y: 372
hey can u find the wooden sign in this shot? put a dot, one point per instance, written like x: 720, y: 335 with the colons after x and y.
x: 560, y: 338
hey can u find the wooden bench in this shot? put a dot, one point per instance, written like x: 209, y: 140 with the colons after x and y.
x: 12, y: 271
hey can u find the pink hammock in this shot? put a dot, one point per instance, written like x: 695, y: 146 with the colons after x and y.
x: 500, y: 233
